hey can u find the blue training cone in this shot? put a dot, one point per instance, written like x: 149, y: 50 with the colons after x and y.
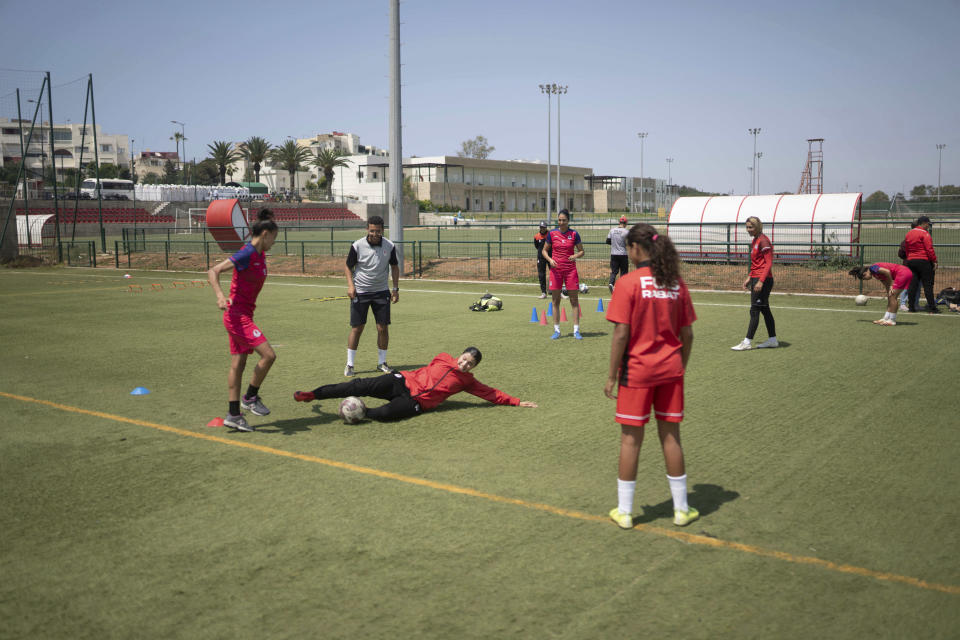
x: 549, y: 309
x: 140, y: 391
x: 533, y: 316
x: 600, y: 304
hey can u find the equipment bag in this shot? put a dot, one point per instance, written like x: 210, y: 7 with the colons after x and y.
x: 487, y: 303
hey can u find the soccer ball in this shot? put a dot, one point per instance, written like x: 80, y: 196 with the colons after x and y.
x: 861, y: 300
x: 584, y: 288
x: 352, y: 410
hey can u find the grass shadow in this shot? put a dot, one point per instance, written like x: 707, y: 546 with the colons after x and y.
x: 707, y: 498
x: 294, y: 426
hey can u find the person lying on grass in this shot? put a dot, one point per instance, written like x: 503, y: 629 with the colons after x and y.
x: 409, y: 393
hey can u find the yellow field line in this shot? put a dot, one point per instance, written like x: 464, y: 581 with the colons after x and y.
x: 689, y: 538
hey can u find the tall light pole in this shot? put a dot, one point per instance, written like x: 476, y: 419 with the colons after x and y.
x: 641, y: 135
x: 750, y: 172
x: 183, y: 145
x: 759, y: 155
x: 754, y: 133
x: 546, y: 88
x: 939, y: 164
x: 558, y: 89
x: 669, y: 179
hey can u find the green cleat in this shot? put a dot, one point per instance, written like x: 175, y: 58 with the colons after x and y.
x: 683, y: 518
x: 623, y: 520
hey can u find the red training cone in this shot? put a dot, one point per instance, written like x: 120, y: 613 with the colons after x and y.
x: 216, y: 422
x: 543, y: 319
x: 563, y: 314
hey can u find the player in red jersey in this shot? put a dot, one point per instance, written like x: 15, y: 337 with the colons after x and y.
x: 411, y: 392
x: 894, y: 278
x: 759, y: 282
x: 249, y: 266
x: 652, y: 340
x: 561, y: 250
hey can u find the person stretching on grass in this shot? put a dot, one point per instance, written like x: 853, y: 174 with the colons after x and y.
x: 249, y: 272
x: 652, y: 338
x: 894, y: 278
x: 411, y: 392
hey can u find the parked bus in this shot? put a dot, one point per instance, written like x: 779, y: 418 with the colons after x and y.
x: 111, y: 189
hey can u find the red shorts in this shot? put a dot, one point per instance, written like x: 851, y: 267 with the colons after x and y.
x: 633, y: 403
x: 902, y: 281
x: 244, y: 335
x: 564, y: 274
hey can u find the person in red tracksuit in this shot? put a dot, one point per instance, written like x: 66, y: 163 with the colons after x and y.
x: 409, y: 393
x: 759, y: 283
x: 922, y: 260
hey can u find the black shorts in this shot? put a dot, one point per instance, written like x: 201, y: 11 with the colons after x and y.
x: 380, y: 301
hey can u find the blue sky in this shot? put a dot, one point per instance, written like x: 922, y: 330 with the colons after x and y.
x: 877, y: 80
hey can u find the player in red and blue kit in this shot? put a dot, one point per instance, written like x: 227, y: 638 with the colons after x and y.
x: 759, y: 283
x: 652, y: 339
x: 894, y: 278
x: 561, y: 250
x: 249, y: 266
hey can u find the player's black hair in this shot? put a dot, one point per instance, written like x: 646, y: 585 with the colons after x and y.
x: 473, y: 351
x: 264, y: 223
x: 859, y: 272
x: 664, y: 261
x: 563, y: 212
x: 375, y: 220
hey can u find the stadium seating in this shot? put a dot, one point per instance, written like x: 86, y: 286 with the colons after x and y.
x: 311, y: 214
x: 122, y: 215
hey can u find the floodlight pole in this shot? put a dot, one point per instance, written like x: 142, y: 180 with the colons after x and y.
x: 759, y: 155
x: 753, y: 184
x: 558, y: 89
x: 939, y: 164
x: 396, y: 152
x: 641, y: 135
x: 545, y: 88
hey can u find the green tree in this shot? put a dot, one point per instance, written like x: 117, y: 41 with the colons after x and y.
x: 223, y: 155
x: 921, y: 191
x: 177, y: 138
x: 255, y: 151
x: 170, y: 173
x: 205, y: 172
x: 476, y: 148
x: 109, y: 170
x: 290, y: 157
x: 878, y: 200
x: 150, y: 178
x: 327, y: 160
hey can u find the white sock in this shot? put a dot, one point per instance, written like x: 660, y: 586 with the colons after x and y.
x: 625, y: 492
x: 893, y: 316
x: 886, y: 315
x: 576, y: 327
x: 556, y: 328
x: 678, y: 488
x: 382, y: 354
x: 351, y: 356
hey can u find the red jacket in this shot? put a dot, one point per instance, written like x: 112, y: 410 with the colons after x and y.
x: 919, y: 246
x: 434, y: 383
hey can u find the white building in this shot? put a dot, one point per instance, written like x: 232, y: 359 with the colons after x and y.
x: 67, y: 147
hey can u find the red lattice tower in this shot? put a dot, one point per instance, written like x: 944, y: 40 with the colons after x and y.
x: 811, y: 180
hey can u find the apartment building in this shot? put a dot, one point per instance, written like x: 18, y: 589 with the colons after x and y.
x: 70, y: 141
x: 154, y: 162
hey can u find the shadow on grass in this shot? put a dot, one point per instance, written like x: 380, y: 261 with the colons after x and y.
x: 297, y: 425
x: 707, y: 498
x: 900, y: 323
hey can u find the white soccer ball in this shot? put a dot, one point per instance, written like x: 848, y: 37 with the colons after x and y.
x: 584, y: 288
x: 352, y: 410
x: 861, y: 300
x: 127, y: 275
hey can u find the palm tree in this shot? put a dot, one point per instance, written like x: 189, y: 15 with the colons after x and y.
x: 255, y: 151
x: 223, y: 154
x: 289, y: 157
x: 177, y: 138
x: 327, y: 160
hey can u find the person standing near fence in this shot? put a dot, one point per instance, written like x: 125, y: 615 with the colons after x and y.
x: 368, y: 262
x: 759, y: 282
x: 922, y: 260
x: 538, y: 241
x: 249, y: 266
x: 562, y: 248
x: 619, y: 264
x: 652, y: 339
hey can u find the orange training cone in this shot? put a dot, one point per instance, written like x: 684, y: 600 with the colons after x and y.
x: 563, y: 314
x: 216, y: 422
x: 543, y: 319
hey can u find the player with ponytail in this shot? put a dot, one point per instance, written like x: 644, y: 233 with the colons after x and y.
x: 652, y: 339
x: 249, y: 266
x: 759, y: 283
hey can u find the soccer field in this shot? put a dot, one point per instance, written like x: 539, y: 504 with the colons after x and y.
x: 824, y: 471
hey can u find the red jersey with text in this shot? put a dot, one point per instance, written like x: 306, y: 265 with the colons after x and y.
x: 434, y: 383
x: 761, y: 257
x: 563, y: 245
x: 249, y: 273
x: 655, y: 315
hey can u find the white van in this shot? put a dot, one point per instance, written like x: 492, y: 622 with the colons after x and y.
x: 111, y: 189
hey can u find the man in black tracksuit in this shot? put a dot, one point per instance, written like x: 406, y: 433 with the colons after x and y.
x: 538, y: 241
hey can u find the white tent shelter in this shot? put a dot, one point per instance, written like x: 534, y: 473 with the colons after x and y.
x: 33, y: 237
x: 798, y: 225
